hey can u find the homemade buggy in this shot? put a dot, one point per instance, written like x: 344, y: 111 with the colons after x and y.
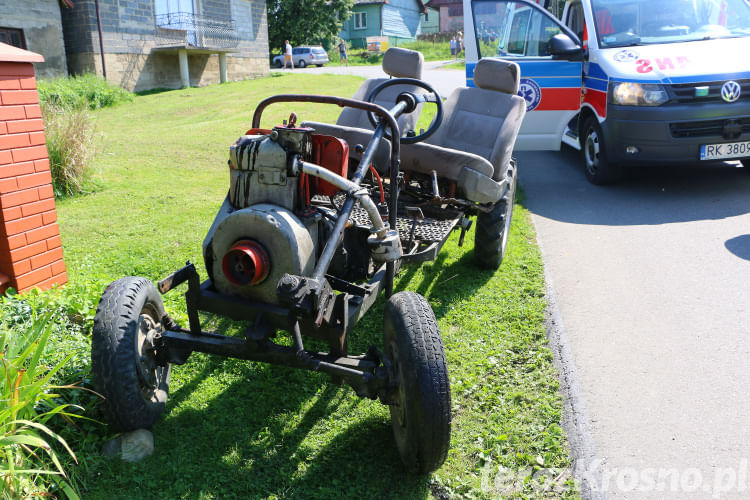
x: 317, y: 221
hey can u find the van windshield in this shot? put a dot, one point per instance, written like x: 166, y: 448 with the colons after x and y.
x: 622, y: 23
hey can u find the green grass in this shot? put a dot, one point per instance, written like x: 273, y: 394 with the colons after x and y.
x: 244, y: 430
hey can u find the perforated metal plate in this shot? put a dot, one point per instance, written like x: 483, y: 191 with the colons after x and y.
x: 428, y: 230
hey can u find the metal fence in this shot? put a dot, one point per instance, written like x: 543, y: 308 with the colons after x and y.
x: 196, y: 30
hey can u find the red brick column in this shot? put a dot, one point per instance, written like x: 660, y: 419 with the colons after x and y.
x: 30, y: 249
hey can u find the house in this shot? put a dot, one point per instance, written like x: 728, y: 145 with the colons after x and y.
x: 399, y: 20
x: 144, y: 44
x: 430, y: 22
x: 36, y: 25
x: 451, y: 14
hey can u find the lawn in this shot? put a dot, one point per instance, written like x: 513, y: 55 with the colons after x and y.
x: 432, y: 51
x: 244, y: 430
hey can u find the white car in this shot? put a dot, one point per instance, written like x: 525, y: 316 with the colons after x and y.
x: 304, y: 56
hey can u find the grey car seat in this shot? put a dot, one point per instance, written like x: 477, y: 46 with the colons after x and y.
x: 473, y: 145
x: 353, y: 124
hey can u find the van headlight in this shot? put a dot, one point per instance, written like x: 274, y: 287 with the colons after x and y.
x: 637, y: 94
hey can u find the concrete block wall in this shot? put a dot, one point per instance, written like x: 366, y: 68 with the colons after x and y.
x: 130, y: 36
x: 41, y: 23
x: 31, y: 253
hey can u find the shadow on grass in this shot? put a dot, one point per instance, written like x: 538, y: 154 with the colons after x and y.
x: 442, y: 285
x: 158, y: 90
x: 248, y: 430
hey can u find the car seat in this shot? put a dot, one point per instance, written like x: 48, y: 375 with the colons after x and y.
x: 474, y: 143
x: 353, y: 125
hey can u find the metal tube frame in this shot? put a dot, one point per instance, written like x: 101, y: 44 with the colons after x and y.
x: 389, y: 119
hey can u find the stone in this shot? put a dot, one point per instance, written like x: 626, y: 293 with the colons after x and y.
x: 137, y: 445
x: 112, y: 448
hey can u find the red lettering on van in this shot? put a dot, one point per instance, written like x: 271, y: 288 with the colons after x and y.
x: 665, y: 63
x: 643, y: 66
x: 683, y: 61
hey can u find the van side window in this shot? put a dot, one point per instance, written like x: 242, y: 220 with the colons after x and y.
x: 575, y: 20
x: 507, y: 28
x: 530, y: 34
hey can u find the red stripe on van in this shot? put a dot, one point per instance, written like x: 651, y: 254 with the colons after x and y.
x: 597, y: 99
x: 566, y: 99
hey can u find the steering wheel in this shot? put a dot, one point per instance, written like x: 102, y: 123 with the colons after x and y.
x: 430, y: 96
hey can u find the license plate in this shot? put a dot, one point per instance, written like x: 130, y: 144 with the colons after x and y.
x: 727, y: 150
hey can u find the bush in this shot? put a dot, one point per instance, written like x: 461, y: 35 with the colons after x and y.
x: 70, y: 145
x: 29, y: 464
x: 81, y: 91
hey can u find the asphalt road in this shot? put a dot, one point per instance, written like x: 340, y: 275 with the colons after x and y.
x: 650, y: 278
x: 443, y: 80
x: 650, y: 319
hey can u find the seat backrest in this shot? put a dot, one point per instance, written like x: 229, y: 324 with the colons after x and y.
x: 398, y: 63
x: 485, y: 120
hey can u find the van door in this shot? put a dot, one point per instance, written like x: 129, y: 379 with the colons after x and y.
x: 521, y: 31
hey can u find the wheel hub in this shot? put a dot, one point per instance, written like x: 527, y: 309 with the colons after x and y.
x: 591, y: 151
x: 145, y: 361
x: 397, y: 401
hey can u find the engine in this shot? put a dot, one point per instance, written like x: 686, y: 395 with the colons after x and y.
x: 267, y: 225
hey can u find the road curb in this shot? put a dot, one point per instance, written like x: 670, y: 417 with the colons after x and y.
x: 575, y: 420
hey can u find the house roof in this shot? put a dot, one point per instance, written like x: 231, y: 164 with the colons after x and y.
x: 420, y: 3
x: 9, y: 53
x: 437, y: 3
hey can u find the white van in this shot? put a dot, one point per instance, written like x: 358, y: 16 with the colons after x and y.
x: 627, y: 81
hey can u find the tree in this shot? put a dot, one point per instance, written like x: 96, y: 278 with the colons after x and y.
x: 305, y: 22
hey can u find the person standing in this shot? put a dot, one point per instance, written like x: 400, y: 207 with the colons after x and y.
x: 459, y: 45
x: 453, y: 47
x: 342, y: 52
x: 288, y: 54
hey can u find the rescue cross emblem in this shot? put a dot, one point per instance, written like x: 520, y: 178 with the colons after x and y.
x: 531, y: 92
x: 731, y: 91
x: 626, y: 55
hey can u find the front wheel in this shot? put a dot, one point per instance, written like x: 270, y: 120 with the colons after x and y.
x: 302, y: 63
x: 493, y: 227
x: 421, y: 402
x: 598, y: 169
x: 277, y: 63
x: 123, y: 361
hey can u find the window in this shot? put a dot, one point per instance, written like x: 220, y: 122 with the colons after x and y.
x: 507, y: 28
x: 360, y: 20
x: 13, y: 36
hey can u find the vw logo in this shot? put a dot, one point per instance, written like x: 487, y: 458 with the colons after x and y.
x: 731, y: 91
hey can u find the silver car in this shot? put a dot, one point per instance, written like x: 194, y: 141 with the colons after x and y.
x: 304, y: 56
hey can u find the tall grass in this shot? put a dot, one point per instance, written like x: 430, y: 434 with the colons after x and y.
x: 29, y: 463
x: 70, y: 145
x: 83, y: 91
x: 65, y: 105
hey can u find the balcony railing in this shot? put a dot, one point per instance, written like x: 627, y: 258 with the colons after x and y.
x: 196, y: 31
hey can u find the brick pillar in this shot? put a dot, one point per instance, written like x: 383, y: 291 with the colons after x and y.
x: 30, y: 249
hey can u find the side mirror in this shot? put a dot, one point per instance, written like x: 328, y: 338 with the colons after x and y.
x: 561, y: 46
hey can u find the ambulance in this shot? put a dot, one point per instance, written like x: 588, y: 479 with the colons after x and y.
x: 627, y: 82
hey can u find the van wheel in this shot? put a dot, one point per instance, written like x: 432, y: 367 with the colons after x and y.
x: 277, y: 63
x: 598, y: 169
x: 302, y: 63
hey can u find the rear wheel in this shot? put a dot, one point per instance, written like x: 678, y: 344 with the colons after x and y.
x: 302, y: 63
x: 123, y: 361
x: 598, y: 169
x: 277, y: 63
x: 493, y: 228
x: 420, y: 404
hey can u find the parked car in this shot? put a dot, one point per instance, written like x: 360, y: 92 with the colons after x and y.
x: 304, y: 56
x: 628, y: 82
